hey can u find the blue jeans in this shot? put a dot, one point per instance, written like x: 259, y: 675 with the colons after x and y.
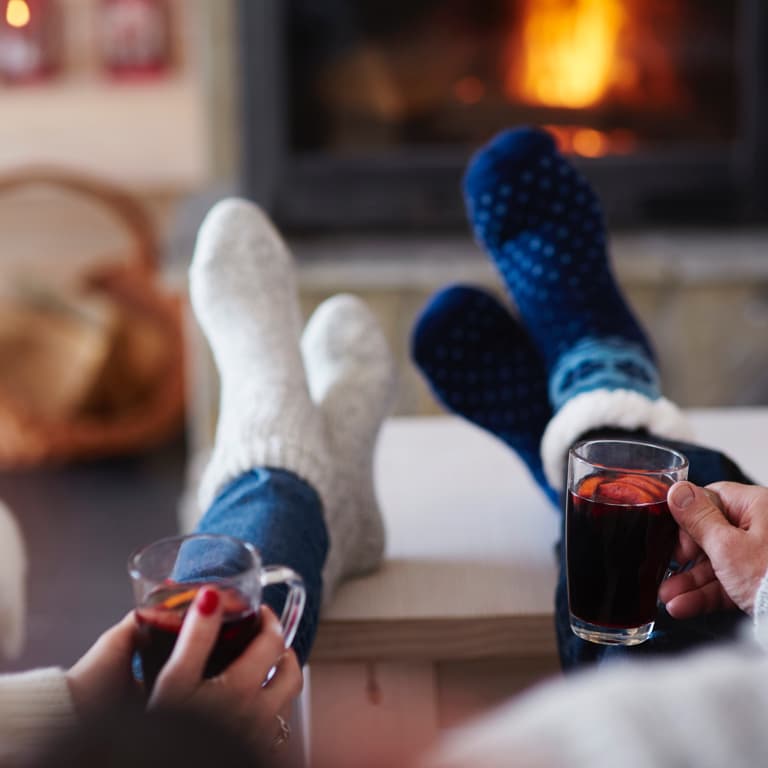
x: 282, y: 516
x: 669, y: 635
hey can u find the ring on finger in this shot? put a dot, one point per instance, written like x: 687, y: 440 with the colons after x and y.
x: 283, y: 734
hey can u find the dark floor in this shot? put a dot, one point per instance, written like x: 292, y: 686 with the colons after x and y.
x: 80, y: 523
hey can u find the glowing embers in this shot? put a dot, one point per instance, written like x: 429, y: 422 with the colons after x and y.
x: 591, y: 142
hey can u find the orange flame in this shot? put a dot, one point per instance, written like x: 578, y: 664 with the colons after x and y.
x: 17, y: 13
x: 568, y: 49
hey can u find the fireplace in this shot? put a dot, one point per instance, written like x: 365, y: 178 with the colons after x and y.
x: 362, y: 115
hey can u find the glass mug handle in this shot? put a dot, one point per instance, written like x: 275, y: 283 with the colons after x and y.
x: 294, y: 603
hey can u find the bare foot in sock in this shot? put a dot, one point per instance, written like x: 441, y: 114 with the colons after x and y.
x: 243, y: 292
x: 352, y: 379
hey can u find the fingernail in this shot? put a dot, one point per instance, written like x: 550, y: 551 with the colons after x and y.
x: 682, y: 495
x: 208, y: 601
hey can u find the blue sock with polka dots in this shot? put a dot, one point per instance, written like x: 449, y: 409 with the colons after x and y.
x: 481, y: 365
x: 542, y: 225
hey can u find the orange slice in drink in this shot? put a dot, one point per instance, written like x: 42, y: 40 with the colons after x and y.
x: 180, y: 598
x: 589, y: 486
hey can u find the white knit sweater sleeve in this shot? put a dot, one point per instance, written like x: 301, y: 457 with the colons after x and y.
x: 13, y: 569
x: 707, y: 710
x: 761, y: 612
x: 33, y: 706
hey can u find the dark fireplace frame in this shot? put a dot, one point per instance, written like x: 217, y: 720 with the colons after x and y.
x: 419, y: 189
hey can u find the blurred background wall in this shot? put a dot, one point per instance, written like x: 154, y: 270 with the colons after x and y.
x: 351, y: 125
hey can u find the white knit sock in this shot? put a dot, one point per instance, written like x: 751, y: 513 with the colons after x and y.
x: 352, y: 379
x: 243, y: 292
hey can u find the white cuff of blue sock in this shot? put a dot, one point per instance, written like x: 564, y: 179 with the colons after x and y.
x: 619, y: 409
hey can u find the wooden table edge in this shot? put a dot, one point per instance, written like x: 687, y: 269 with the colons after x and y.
x: 435, y: 639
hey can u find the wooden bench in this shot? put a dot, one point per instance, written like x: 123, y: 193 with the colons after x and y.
x: 460, y: 615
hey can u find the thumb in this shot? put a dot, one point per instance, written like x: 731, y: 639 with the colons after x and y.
x: 697, y: 513
x: 121, y: 638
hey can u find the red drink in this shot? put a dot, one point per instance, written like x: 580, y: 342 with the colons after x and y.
x: 619, y: 538
x: 161, y: 617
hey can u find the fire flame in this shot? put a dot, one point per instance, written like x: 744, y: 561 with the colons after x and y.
x: 568, y: 50
x: 17, y: 13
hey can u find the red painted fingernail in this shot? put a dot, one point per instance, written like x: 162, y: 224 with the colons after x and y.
x: 208, y: 601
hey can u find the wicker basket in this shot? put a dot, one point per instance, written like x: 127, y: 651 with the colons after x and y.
x: 29, y: 437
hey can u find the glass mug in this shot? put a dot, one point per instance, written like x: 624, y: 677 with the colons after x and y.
x: 619, y: 536
x: 166, y: 576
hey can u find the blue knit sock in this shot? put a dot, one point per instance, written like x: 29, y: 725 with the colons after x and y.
x: 543, y: 227
x: 481, y: 365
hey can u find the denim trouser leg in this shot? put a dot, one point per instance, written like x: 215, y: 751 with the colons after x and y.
x: 282, y: 516
x: 670, y: 635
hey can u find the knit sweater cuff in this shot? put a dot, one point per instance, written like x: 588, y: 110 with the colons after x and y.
x: 33, y: 706
x: 761, y: 612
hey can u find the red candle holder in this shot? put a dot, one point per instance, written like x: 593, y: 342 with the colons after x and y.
x: 29, y: 40
x: 135, y: 37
